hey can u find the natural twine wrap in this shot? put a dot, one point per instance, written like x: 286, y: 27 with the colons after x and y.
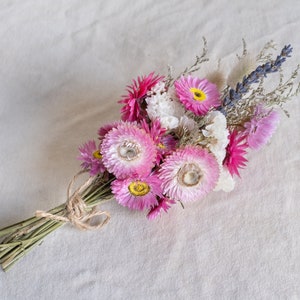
x: 76, y: 212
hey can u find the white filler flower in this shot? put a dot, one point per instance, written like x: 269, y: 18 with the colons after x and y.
x: 161, y: 106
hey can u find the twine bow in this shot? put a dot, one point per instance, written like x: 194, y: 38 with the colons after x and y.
x: 76, y: 211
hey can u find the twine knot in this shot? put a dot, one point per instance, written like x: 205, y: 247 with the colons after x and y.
x: 76, y: 211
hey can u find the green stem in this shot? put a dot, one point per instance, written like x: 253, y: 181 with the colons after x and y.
x: 8, y: 248
x: 25, y: 247
x: 6, y: 265
x: 19, y: 249
x: 20, y: 238
x: 31, y: 221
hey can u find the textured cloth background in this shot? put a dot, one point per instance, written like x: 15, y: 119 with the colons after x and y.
x: 63, y: 66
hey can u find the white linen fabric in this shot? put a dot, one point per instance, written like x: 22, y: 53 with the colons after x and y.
x: 63, y: 66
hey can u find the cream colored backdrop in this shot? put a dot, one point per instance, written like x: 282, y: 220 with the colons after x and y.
x: 63, y: 66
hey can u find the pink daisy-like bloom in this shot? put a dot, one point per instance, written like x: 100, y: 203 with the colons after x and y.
x: 197, y: 95
x: 128, y: 150
x: 132, y: 102
x: 91, y: 158
x: 154, y: 129
x: 164, y: 143
x: 261, y: 127
x: 164, y: 204
x: 189, y: 174
x: 137, y: 192
x: 235, y: 153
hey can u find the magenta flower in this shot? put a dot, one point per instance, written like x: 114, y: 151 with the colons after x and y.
x: 137, y: 192
x: 197, y: 95
x: 167, y: 145
x: 91, y: 158
x: 103, y: 130
x: 154, y: 129
x: 132, y: 102
x: 235, y: 153
x: 163, y: 205
x: 189, y: 174
x: 164, y: 143
x: 128, y: 150
x: 261, y: 127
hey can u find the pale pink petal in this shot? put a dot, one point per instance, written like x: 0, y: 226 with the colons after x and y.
x: 261, y: 127
x: 128, y: 150
x: 91, y: 158
x: 183, y: 88
x: 189, y: 174
x: 144, y: 198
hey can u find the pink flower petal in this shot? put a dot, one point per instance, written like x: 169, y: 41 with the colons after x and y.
x: 183, y: 88
x: 128, y: 150
x: 189, y: 174
x: 137, y: 192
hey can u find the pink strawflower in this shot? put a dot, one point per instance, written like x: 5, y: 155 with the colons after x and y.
x: 128, y: 150
x: 154, y: 129
x: 189, y: 174
x: 103, y: 130
x: 91, y: 158
x: 137, y: 192
x: 163, y: 205
x: 235, y: 153
x: 132, y: 102
x: 261, y: 127
x: 197, y: 95
x: 167, y: 145
x: 164, y: 143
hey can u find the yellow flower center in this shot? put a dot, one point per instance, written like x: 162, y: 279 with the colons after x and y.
x: 97, y: 154
x: 161, y: 146
x: 198, y: 94
x: 138, y: 188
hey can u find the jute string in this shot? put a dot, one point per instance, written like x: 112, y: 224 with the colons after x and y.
x: 76, y: 212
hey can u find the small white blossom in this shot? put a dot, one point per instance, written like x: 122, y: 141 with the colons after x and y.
x: 218, y: 133
x: 161, y: 106
x: 157, y: 89
x: 169, y: 121
x: 225, y: 182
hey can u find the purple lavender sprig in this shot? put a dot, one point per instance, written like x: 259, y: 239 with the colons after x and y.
x: 242, y: 88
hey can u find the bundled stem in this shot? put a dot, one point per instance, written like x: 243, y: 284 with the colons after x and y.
x: 19, y: 238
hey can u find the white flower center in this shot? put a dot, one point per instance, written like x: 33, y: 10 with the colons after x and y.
x: 129, y: 150
x: 189, y: 175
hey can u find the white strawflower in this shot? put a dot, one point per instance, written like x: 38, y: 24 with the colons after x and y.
x: 161, y: 106
x: 169, y: 122
x: 217, y: 133
x: 225, y: 182
x: 157, y: 89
